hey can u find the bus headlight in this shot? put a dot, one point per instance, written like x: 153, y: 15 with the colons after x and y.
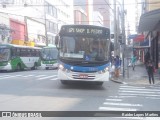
x: 61, y: 67
x: 104, y: 70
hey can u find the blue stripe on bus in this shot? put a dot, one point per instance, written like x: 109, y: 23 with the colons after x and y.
x: 85, y: 69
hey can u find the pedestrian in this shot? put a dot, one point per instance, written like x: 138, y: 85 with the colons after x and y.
x: 133, y: 61
x: 117, y: 66
x: 146, y: 58
x: 150, y: 70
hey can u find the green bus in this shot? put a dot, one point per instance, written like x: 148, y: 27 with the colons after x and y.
x: 17, y: 57
x: 49, y: 55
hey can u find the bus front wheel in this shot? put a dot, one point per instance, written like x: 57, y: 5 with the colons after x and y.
x: 63, y: 81
x: 99, y: 83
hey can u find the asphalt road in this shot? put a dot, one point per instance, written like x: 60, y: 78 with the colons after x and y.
x: 40, y: 90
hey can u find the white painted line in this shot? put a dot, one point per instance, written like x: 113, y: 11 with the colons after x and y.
x: 117, y: 109
x: 140, y: 89
x: 40, y: 75
x: 139, y: 92
x: 54, y: 79
x: 122, y: 96
x: 28, y: 76
x: 156, y: 98
x: 114, y: 99
x: 122, y: 86
x: 121, y: 104
x: 46, y: 77
x: 11, y: 76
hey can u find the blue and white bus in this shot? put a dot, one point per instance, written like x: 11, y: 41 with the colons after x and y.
x: 84, y: 52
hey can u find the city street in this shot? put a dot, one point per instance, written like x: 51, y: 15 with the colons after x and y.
x: 40, y: 90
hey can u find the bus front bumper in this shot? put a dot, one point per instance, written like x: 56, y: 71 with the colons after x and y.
x: 78, y: 76
x: 6, y: 67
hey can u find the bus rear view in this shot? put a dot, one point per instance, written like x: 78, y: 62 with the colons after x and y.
x: 84, y: 52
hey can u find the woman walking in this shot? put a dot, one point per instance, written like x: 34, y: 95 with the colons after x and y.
x: 150, y: 70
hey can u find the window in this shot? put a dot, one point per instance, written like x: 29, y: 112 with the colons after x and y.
x: 52, y: 27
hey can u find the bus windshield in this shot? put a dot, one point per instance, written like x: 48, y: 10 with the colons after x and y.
x: 4, y: 54
x: 49, y: 53
x: 84, y: 48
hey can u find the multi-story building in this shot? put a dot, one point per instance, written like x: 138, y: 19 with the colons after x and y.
x: 37, y: 21
x: 104, y: 8
x: 85, y: 12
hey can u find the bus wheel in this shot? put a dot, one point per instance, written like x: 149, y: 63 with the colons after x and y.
x: 18, y: 68
x: 34, y: 67
x: 64, y: 82
x: 99, y: 83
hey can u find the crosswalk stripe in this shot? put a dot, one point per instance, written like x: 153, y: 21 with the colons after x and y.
x: 54, y: 79
x: 138, y: 94
x: 28, y: 75
x: 117, y: 109
x: 121, y: 104
x: 46, y: 77
x: 114, y: 99
x: 139, y: 89
x: 10, y: 76
x: 40, y: 75
x: 122, y: 86
x: 133, y: 91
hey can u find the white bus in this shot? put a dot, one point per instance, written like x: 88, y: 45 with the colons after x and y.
x: 16, y: 57
x: 84, y: 52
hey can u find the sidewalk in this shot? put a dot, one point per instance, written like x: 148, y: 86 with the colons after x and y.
x: 137, y: 77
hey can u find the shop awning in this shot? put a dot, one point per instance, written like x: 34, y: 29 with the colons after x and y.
x: 139, y: 38
x: 150, y: 21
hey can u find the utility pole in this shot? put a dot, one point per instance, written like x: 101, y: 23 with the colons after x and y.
x: 45, y: 20
x: 123, y: 36
x: 115, y: 29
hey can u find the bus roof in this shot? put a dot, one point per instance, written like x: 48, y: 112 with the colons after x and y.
x: 19, y: 46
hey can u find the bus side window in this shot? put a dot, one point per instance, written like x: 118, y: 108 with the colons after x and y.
x: 18, y: 52
x: 13, y: 53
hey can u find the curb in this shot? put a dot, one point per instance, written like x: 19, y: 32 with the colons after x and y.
x: 118, y: 81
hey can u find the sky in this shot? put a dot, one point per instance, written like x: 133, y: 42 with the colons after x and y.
x: 130, y: 17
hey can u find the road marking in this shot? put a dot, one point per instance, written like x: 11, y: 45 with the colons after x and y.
x: 122, y: 96
x: 139, y: 92
x: 40, y: 75
x: 121, y: 104
x: 54, y: 79
x: 140, y: 89
x: 117, y: 109
x: 28, y: 76
x: 114, y: 99
x: 11, y: 76
x: 122, y: 86
x: 46, y: 77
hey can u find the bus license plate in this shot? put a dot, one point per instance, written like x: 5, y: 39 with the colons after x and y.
x: 83, y: 76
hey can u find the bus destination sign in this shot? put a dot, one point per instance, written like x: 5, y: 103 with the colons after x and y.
x: 85, y: 31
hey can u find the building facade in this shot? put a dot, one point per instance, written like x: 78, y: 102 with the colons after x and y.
x: 150, y: 26
x: 42, y: 19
